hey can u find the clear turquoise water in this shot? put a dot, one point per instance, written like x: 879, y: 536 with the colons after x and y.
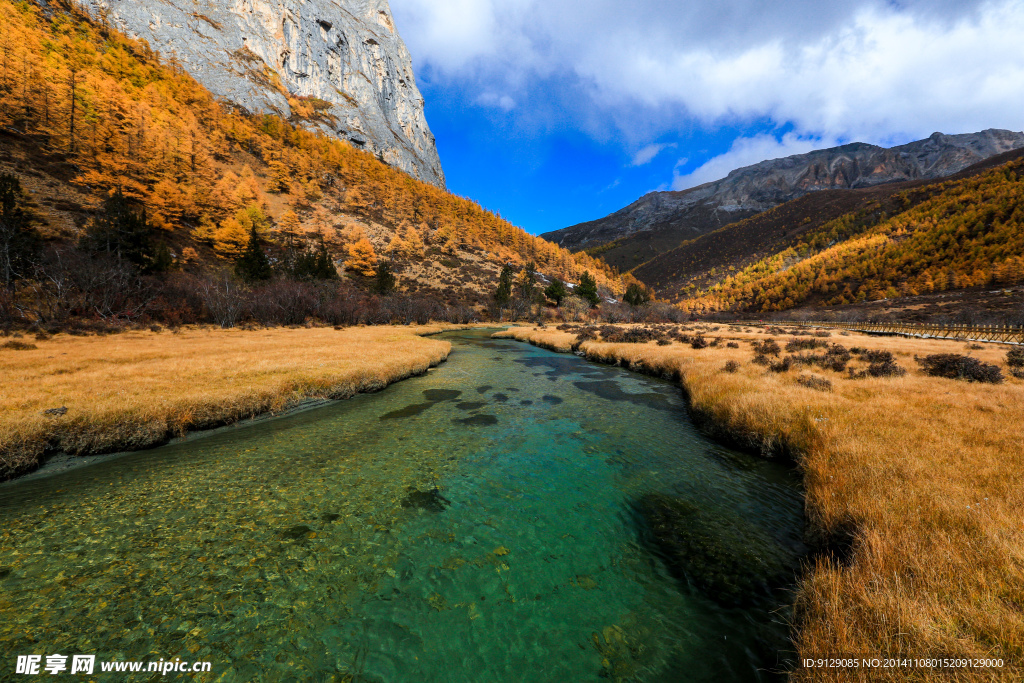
x: 475, y: 524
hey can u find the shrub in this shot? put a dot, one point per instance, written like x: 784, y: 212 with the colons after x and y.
x: 768, y: 347
x: 733, y: 345
x: 699, y: 342
x: 783, y: 365
x: 635, y: 335
x: 887, y: 368
x: 804, y: 344
x: 873, y: 356
x: 731, y: 366
x: 760, y: 359
x: 955, y: 366
x: 18, y: 346
x: 1015, y: 357
x: 814, y: 382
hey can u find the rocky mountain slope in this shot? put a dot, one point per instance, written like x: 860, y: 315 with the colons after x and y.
x: 211, y: 177
x: 709, y: 259
x: 338, y: 66
x: 840, y: 247
x: 659, y: 221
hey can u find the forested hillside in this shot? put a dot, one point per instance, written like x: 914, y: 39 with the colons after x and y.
x: 87, y: 111
x: 951, y: 235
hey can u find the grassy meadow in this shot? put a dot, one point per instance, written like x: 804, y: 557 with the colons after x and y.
x: 136, y: 389
x: 914, y: 485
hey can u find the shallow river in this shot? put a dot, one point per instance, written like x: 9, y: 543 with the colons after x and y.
x: 494, y: 520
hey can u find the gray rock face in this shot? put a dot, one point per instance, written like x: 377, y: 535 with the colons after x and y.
x: 750, y: 190
x: 254, y: 53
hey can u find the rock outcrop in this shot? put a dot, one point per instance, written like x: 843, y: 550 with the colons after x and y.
x: 334, y: 65
x: 750, y: 190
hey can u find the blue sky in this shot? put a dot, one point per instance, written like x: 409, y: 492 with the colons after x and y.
x: 554, y: 112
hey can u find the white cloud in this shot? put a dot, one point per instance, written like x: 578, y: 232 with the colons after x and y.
x: 869, y: 70
x: 490, y: 99
x: 747, y: 151
x: 648, y: 153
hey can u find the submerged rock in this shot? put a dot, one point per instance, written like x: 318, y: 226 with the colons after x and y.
x: 730, y: 560
x: 479, y: 420
x: 408, y: 411
x: 431, y: 501
x: 438, y: 395
x: 296, y: 532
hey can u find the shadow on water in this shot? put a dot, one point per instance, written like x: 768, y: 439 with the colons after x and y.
x: 584, y: 531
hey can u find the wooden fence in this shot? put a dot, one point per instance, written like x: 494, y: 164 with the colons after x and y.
x: 1002, y: 334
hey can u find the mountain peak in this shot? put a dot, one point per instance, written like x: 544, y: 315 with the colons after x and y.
x: 660, y: 220
x: 336, y: 66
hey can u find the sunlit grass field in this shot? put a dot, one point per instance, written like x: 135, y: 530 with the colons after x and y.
x: 136, y: 389
x: 915, y: 484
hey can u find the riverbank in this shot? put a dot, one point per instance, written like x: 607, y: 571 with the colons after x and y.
x: 138, y: 389
x: 914, y: 486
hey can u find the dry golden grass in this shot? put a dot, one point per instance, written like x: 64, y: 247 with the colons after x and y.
x: 136, y: 389
x: 924, y: 475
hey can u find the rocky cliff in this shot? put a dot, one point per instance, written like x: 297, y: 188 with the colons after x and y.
x: 334, y: 65
x: 670, y: 217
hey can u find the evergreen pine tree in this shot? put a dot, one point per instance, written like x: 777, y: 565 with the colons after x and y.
x: 636, y: 295
x: 528, y: 283
x: 19, y: 242
x: 314, y: 263
x: 587, y: 289
x: 121, y: 232
x: 253, y: 265
x: 161, y: 261
x: 503, y: 293
x: 556, y: 291
x: 385, y: 280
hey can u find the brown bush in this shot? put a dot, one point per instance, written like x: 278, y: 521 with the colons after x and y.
x: 804, y: 345
x: 814, y: 382
x: 731, y: 366
x: 767, y: 347
x: 886, y: 368
x: 955, y: 366
x: 18, y: 346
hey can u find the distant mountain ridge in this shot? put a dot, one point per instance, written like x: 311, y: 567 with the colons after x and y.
x: 659, y: 221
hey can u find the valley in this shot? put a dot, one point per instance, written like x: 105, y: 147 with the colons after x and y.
x: 277, y: 397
